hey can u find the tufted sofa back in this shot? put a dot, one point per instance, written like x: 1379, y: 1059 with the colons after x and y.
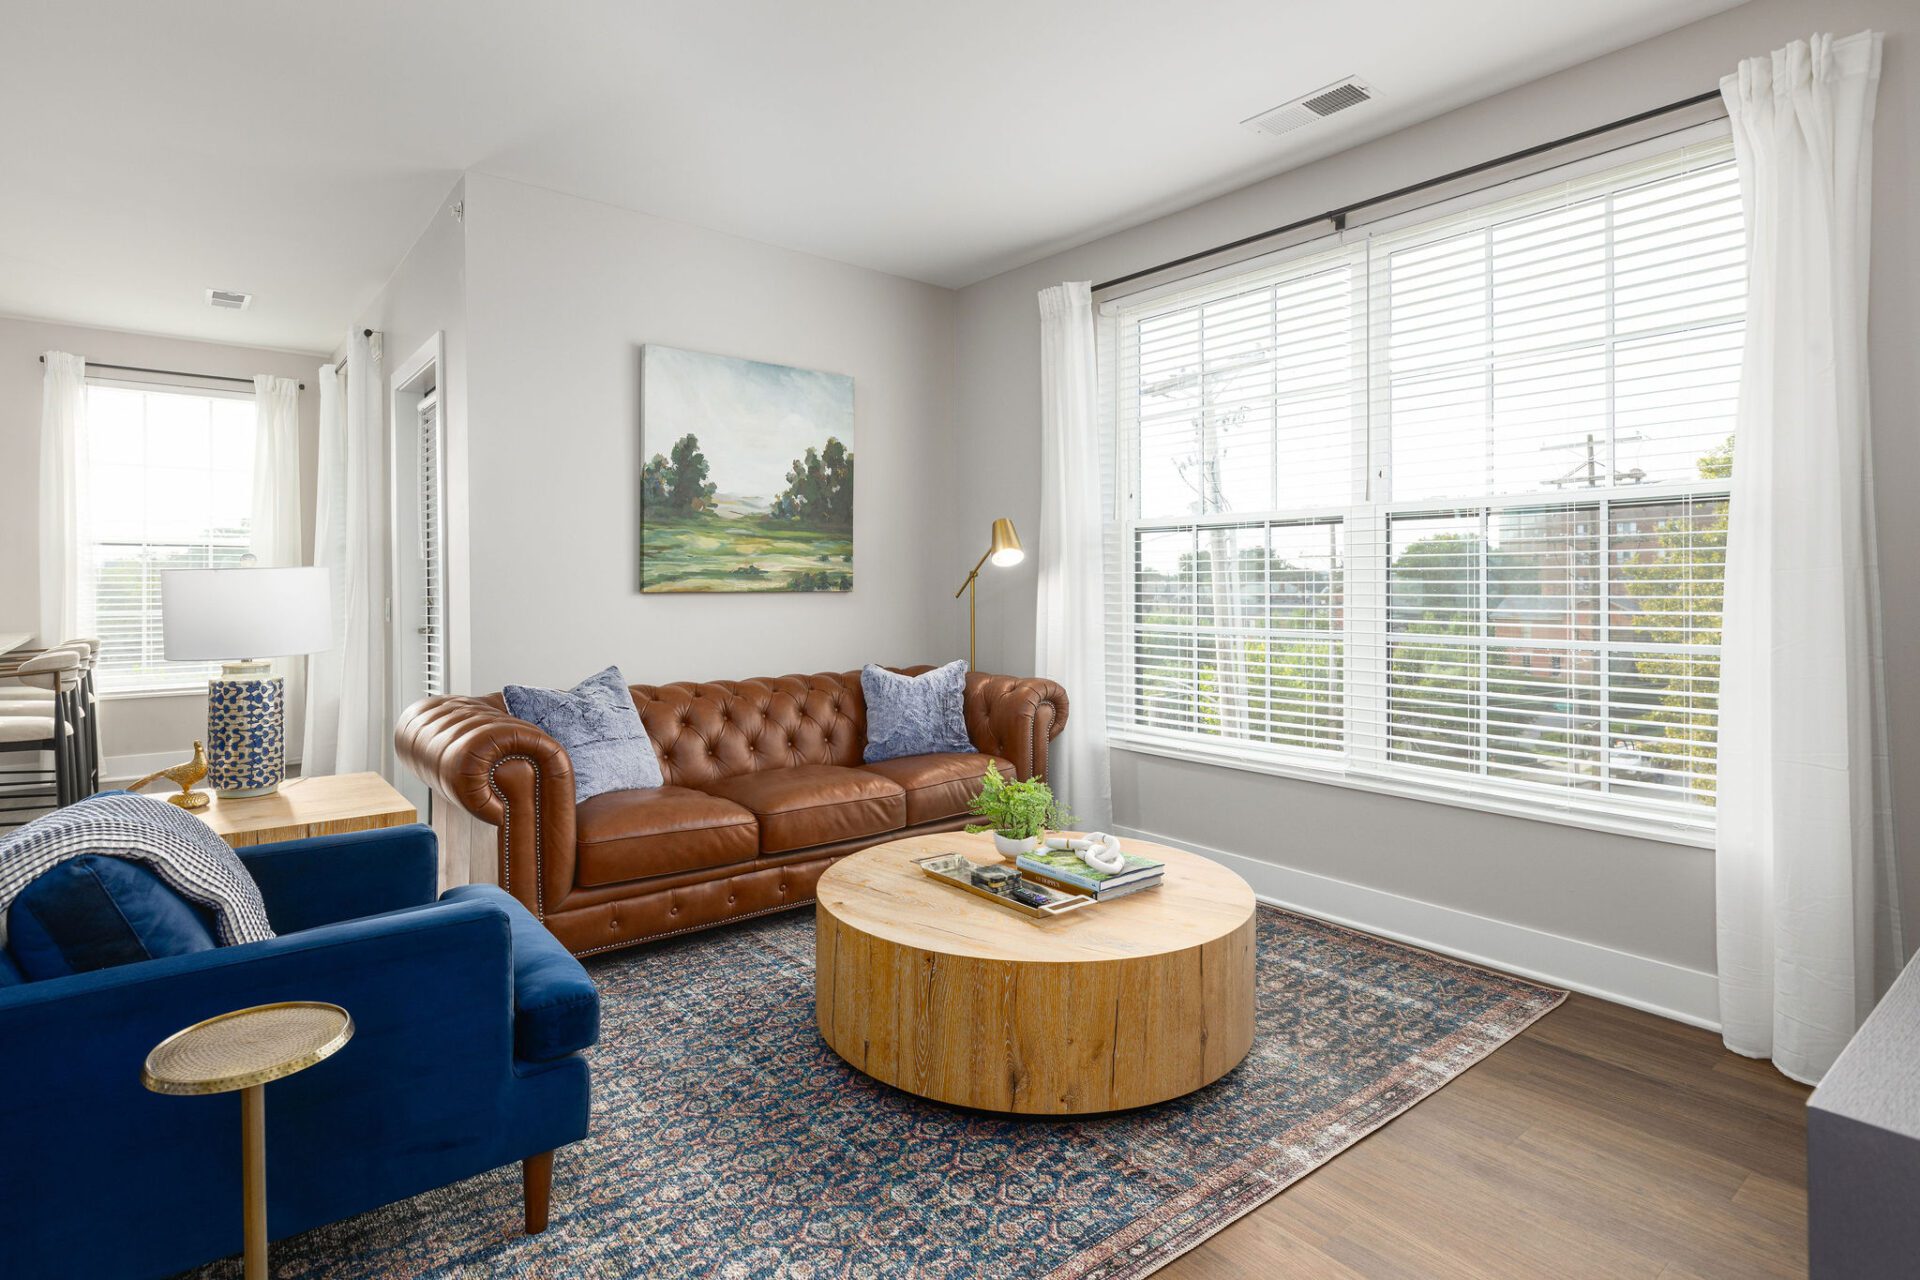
x: 704, y: 731
x: 717, y: 729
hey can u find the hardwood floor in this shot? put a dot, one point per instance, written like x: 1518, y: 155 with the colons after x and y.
x: 1601, y: 1142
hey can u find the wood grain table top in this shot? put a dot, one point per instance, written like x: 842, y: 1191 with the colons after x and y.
x: 882, y: 893
x: 304, y: 807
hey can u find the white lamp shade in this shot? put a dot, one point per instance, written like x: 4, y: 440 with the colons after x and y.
x: 222, y: 615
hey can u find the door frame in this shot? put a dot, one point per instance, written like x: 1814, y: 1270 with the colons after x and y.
x: 423, y: 372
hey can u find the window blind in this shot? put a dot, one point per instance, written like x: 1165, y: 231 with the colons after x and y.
x: 1444, y: 504
x: 170, y: 486
x: 432, y: 607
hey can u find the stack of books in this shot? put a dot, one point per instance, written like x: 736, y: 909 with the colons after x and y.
x: 1066, y: 870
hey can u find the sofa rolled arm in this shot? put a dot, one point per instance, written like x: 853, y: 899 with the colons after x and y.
x: 1015, y: 717
x: 508, y: 774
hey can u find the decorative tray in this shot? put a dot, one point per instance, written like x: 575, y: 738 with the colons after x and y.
x: 957, y: 869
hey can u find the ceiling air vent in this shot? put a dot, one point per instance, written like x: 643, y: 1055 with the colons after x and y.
x: 228, y: 300
x: 1318, y: 105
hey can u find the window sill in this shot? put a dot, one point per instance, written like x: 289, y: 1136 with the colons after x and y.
x: 1698, y: 836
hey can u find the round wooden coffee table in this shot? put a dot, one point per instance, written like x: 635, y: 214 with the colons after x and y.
x: 940, y: 993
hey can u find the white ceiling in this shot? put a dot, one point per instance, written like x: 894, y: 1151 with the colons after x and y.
x: 296, y: 151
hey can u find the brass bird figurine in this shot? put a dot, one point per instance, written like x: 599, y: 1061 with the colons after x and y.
x: 185, y: 775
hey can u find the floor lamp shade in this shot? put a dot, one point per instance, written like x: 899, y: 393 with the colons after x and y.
x: 240, y: 618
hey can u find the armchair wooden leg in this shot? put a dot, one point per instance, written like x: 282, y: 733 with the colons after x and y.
x: 536, y: 1186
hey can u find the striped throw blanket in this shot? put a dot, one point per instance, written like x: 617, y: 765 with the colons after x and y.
x: 175, y: 845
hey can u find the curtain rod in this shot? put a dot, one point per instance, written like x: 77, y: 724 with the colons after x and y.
x: 1338, y: 217
x: 169, y: 373
x: 180, y: 373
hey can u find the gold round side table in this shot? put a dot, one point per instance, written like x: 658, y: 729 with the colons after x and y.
x: 246, y: 1050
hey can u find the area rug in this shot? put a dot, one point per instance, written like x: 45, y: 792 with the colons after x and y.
x: 729, y: 1141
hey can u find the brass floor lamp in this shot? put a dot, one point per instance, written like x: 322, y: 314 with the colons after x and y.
x: 1003, y: 550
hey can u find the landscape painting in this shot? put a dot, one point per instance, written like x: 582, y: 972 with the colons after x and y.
x: 748, y: 478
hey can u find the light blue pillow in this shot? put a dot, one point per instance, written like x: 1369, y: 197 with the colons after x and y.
x: 915, y: 715
x: 597, y: 723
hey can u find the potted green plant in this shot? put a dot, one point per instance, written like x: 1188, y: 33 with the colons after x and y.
x: 1018, y: 813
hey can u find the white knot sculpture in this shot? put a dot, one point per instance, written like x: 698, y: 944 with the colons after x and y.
x: 1097, y: 849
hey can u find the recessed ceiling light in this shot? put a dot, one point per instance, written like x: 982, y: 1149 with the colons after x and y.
x: 229, y: 300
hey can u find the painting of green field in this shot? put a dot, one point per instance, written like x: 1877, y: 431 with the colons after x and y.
x: 723, y: 553
x: 748, y: 483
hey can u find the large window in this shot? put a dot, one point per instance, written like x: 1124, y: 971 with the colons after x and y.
x: 171, y: 487
x: 1443, y: 506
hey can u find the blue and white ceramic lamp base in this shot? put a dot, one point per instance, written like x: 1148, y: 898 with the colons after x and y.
x: 246, y: 730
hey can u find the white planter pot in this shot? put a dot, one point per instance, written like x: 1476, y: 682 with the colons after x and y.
x: 1011, y: 848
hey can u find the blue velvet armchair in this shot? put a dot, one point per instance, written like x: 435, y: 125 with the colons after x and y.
x: 469, y: 1025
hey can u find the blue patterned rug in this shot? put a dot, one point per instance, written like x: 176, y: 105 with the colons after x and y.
x: 729, y: 1141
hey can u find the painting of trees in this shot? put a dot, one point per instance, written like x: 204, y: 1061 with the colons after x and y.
x: 689, y: 489
x: 655, y: 479
x: 679, y: 483
x: 748, y: 483
x: 819, y: 491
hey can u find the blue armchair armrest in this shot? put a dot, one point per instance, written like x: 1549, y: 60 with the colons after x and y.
x: 556, y: 1007
x: 427, y: 1092
x: 327, y: 879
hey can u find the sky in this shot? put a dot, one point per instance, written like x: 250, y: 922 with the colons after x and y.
x: 753, y: 419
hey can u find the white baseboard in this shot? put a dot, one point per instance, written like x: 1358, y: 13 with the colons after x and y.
x: 118, y: 771
x: 1656, y: 986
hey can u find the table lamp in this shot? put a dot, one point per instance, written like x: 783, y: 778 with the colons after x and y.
x: 1003, y: 549
x: 240, y: 618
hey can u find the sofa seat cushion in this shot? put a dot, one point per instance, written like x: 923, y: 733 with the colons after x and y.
x: 809, y: 804
x: 630, y: 835
x: 556, y: 1009
x: 938, y: 785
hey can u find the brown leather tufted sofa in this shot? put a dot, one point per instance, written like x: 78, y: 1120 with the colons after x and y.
x: 764, y: 788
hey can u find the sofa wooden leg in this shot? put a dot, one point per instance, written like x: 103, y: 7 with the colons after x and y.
x: 536, y: 1186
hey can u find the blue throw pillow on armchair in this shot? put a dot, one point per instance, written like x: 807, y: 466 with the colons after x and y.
x: 94, y: 912
x: 599, y: 726
x: 915, y: 715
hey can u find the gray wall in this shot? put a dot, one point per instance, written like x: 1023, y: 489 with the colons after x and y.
x: 427, y: 294
x: 561, y: 294
x: 149, y: 723
x: 1646, y: 898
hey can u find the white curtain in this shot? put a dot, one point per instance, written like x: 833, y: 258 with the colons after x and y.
x: 1808, y: 927
x: 275, y: 536
x: 347, y: 723
x: 66, y: 595
x: 1070, y: 646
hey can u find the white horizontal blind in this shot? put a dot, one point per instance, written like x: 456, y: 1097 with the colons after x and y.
x: 1445, y: 506
x: 170, y: 475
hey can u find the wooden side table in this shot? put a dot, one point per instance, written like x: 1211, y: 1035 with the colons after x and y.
x: 246, y: 1050
x: 324, y: 806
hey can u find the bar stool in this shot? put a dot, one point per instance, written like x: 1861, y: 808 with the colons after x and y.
x: 42, y: 725
x: 86, y: 722
x: 86, y: 708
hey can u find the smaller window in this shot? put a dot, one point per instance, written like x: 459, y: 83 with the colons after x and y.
x: 170, y: 487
